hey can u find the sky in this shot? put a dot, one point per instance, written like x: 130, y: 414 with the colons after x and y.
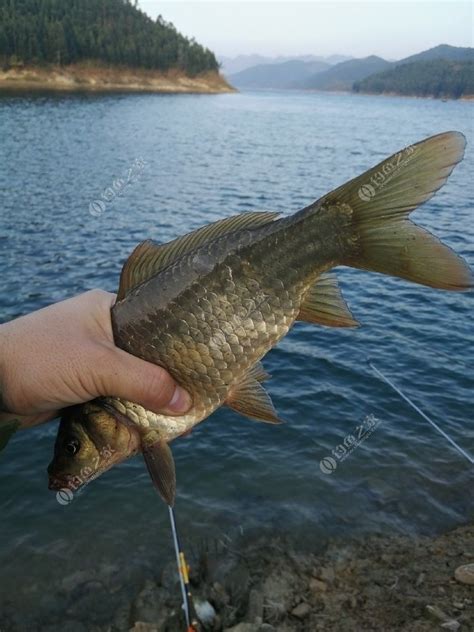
x: 382, y: 27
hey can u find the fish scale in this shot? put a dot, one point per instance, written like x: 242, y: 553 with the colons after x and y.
x: 230, y: 333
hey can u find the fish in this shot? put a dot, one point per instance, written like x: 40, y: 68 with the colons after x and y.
x: 209, y: 305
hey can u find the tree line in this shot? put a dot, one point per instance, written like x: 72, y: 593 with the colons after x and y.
x: 109, y: 31
x: 437, y: 78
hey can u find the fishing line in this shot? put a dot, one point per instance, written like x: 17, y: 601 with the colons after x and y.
x: 192, y: 622
x: 420, y: 412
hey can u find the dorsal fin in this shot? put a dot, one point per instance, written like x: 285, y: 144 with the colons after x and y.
x: 149, y: 258
x: 249, y: 398
x: 323, y: 304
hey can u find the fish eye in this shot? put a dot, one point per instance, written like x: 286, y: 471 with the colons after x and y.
x: 72, y: 447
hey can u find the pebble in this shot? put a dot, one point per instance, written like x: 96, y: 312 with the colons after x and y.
x: 142, y: 626
x: 317, y: 585
x: 255, y: 606
x: 465, y: 574
x: 301, y: 611
x: 148, y: 605
x: 437, y: 613
x: 420, y: 579
x: 219, y: 596
x: 205, y: 612
x: 328, y: 574
x: 244, y: 627
x: 451, y: 625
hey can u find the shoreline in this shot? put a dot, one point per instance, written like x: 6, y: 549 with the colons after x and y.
x: 353, y: 93
x: 270, y: 583
x: 94, y: 78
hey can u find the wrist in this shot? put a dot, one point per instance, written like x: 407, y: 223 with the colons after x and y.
x: 5, y: 363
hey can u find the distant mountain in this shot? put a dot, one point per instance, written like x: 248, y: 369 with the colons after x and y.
x: 435, y: 78
x: 233, y: 65
x: 443, y: 51
x: 332, y: 60
x: 276, y: 76
x: 342, y: 76
x: 440, y: 71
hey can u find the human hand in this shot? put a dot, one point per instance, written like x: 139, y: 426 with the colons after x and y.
x: 64, y: 354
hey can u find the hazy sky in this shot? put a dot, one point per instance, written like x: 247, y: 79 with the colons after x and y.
x: 383, y: 27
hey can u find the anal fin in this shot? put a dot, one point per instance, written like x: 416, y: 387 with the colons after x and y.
x: 250, y: 398
x: 323, y: 304
x: 160, y: 463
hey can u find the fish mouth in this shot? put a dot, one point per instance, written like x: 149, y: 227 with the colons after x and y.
x: 56, y: 484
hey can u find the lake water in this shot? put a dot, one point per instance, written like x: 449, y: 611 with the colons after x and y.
x: 208, y: 157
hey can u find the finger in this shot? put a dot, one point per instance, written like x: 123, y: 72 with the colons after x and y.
x: 131, y: 378
x: 28, y: 421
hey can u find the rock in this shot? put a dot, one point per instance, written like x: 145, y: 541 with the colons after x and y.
x: 328, y: 574
x: 437, y: 613
x: 451, y: 625
x: 237, y: 584
x: 218, y: 596
x: 205, y: 612
x: 255, y: 607
x: 72, y: 581
x: 465, y: 574
x: 277, y: 591
x: 266, y: 627
x: 142, y: 626
x: 317, y: 585
x: 68, y: 624
x: 93, y: 597
x: 420, y: 579
x: 149, y: 605
x: 244, y: 627
x: 301, y: 611
x: 170, y: 577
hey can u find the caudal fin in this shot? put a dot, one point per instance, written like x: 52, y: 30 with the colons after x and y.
x: 384, y: 239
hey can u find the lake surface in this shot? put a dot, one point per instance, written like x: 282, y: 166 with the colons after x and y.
x: 207, y: 157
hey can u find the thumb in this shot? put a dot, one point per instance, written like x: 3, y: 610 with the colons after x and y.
x: 147, y: 384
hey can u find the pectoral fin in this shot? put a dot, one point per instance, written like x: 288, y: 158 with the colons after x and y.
x: 323, y: 304
x: 160, y: 463
x: 251, y: 399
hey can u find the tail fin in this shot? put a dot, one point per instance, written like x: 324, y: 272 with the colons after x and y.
x: 384, y: 239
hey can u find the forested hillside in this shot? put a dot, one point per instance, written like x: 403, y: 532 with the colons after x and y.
x: 113, y: 32
x: 436, y: 78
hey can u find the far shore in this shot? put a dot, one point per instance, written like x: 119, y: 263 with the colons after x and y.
x: 84, y: 77
x: 467, y: 97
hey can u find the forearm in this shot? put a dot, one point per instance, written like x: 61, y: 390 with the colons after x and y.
x: 8, y: 417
